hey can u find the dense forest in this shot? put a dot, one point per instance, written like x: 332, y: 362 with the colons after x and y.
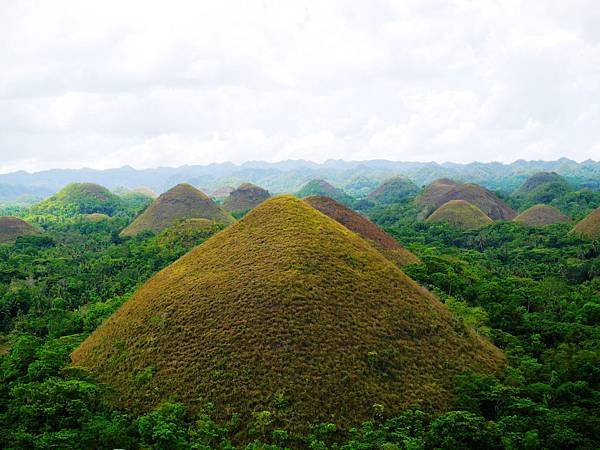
x: 534, y: 291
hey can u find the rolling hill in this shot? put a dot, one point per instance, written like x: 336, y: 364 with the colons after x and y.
x: 541, y: 215
x: 244, y: 198
x: 12, y: 228
x: 589, y: 227
x: 324, y: 188
x: 394, y: 190
x: 461, y: 215
x: 80, y: 198
x: 542, y: 187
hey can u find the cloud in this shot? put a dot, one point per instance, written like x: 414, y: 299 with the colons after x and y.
x: 147, y: 83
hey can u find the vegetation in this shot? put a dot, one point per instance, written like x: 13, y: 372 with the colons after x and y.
x: 541, y: 215
x: 542, y: 187
x: 394, y: 190
x: 590, y: 226
x: 79, y: 198
x: 323, y: 188
x: 244, y: 198
x: 460, y: 214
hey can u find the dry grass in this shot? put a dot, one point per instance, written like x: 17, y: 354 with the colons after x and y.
x: 12, y: 227
x: 541, y: 215
x: 590, y: 226
x: 245, y: 197
x: 180, y: 202
x: 364, y: 227
x: 288, y: 311
x: 460, y: 214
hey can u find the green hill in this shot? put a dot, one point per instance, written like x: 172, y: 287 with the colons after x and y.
x: 590, y: 226
x: 323, y: 188
x: 289, y: 312
x: 244, y: 198
x: 394, y: 190
x: 12, y: 227
x: 80, y: 198
x: 443, y: 190
x: 541, y: 215
x: 364, y: 227
x: 542, y: 187
x: 460, y: 214
x: 180, y: 202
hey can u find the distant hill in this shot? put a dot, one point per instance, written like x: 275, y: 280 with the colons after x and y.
x: 590, y: 226
x: 12, y: 228
x: 443, y: 190
x: 460, y: 214
x: 541, y: 215
x: 394, y: 190
x: 285, y: 311
x: 542, y: 187
x: 324, y: 188
x: 222, y: 192
x: 80, y: 198
x: 181, y: 202
x: 244, y: 198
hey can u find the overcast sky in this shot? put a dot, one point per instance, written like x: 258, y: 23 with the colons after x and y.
x: 108, y: 83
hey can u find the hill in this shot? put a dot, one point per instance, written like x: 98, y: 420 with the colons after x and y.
x: 80, y: 198
x: 12, y: 227
x: 95, y: 217
x: 286, y: 311
x: 188, y: 232
x: 323, y: 188
x: 590, y: 226
x: 541, y: 215
x: 222, y: 192
x: 394, y: 190
x: 180, y: 202
x: 443, y: 190
x: 244, y: 198
x: 460, y: 214
x: 542, y: 187
x: 364, y: 227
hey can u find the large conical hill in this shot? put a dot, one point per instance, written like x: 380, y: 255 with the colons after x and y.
x: 286, y: 311
x: 180, y: 202
x: 541, y: 215
x: 80, y: 198
x: 364, y: 227
x: 245, y: 197
x: 461, y: 215
x: 12, y: 228
x: 589, y: 227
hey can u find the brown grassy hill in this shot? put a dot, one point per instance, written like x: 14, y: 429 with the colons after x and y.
x: 460, y: 214
x: 286, y: 311
x: 180, y: 202
x: 541, y: 215
x: 12, y: 227
x: 590, y: 226
x: 443, y: 190
x: 245, y: 197
x: 364, y: 227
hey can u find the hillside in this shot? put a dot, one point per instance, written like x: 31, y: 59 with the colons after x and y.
x: 323, y: 188
x: 286, y: 311
x: 244, y: 198
x: 541, y: 215
x: 460, y: 214
x: 590, y: 226
x: 364, y: 227
x: 542, y: 187
x: 394, y: 190
x: 222, y: 192
x: 80, y: 198
x: 180, y: 202
x: 443, y: 190
x: 12, y: 227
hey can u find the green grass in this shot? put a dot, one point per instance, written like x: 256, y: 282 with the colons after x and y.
x: 461, y: 215
x: 80, y: 198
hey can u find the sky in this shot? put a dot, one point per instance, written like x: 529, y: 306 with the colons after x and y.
x: 153, y: 83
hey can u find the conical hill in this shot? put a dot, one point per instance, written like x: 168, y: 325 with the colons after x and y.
x: 589, y: 227
x: 394, y: 190
x: 460, y: 214
x: 180, y: 202
x: 245, y: 197
x: 541, y: 215
x: 80, y: 198
x: 364, y: 227
x: 12, y: 227
x: 285, y: 311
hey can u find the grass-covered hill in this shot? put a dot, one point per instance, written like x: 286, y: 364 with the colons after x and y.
x: 80, y: 198
x: 12, y: 227
x: 180, y: 202
x: 589, y: 227
x: 324, y: 188
x: 542, y: 187
x: 541, y: 215
x: 460, y: 214
x: 360, y: 224
x: 289, y: 315
x: 222, y: 192
x: 443, y: 190
x: 244, y: 198
x: 394, y: 190
x: 186, y: 232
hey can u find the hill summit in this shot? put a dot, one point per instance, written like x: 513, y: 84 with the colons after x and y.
x: 245, y: 197
x: 394, y: 190
x: 589, y: 227
x: 460, y: 214
x: 80, y: 198
x: 541, y: 215
x: 542, y: 187
x: 324, y: 188
x: 443, y: 190
x: 364, y: 227
x: 180, y: 202
x: 286, y: 311
x: 12, y: 227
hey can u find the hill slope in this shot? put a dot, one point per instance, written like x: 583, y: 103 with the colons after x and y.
x: 590, y: 226
x: 542, y: 187
x: 290, y: 312
x: 443, y: 190
x: 460, y: 214
x: 364, y: 227
x: 541, y: 215
x: 394, y: 190
x: 245, y: 197
x: 323, y: 188
x: 12, y: 227
x: 80, y: 198
x: 180, y: 202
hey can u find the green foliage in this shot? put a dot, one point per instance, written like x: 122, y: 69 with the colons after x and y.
x: 79, y: 198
